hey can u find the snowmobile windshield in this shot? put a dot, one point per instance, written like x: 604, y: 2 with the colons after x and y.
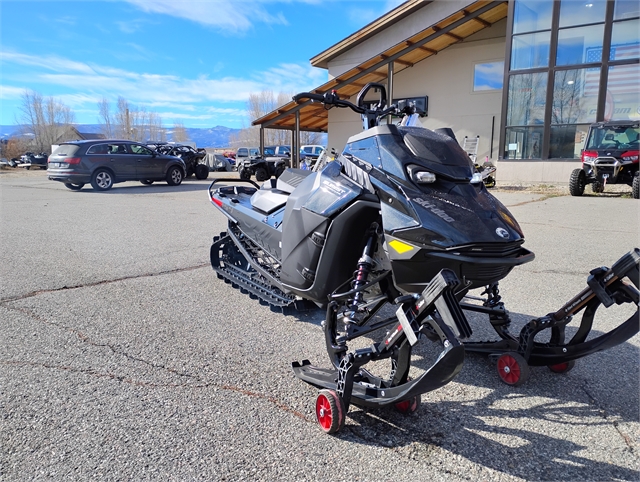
x: 437, y: 152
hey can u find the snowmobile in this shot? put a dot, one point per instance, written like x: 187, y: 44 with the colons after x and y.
x: 388, y: 238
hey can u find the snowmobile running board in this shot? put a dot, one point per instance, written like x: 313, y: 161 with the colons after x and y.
x: 605, y: 287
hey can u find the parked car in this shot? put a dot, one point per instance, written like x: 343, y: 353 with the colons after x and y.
x: 610, y: 156
x: 280, y: 151
x: 106, y: 162
x: 244, y: 153
x: 277, y: 151
x: 312, y: 151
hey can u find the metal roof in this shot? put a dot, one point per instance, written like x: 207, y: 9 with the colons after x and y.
x: 422, y: 45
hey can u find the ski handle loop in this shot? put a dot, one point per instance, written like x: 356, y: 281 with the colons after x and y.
x: 628, y: 265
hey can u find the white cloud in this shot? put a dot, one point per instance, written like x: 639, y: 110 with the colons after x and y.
x: 48, y: 62
x: 82, y: 85
x: 236, y: 15
x: 10, y: 92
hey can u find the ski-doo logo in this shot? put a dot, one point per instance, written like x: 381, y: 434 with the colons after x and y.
x: 392, y: 335
x: 503, y: 233
x: 435, y: 210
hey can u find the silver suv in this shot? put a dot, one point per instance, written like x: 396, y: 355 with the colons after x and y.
x: 106, y: 162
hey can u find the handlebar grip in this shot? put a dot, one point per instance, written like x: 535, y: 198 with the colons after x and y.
x: 308, y: 95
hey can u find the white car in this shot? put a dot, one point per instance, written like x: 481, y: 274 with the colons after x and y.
x: 312, y: 150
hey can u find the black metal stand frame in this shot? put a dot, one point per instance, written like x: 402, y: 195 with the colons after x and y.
x: 434, y: 314
x: 605, y: 287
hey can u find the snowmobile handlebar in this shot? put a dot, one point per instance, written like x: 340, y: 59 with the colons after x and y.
x: 331, y: 99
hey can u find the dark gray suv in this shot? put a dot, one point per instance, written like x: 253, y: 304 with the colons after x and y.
x: 106, y: 162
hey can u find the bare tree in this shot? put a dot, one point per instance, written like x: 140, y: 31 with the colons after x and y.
x: 132, y: 123
x: 106, y: 123
x: 45, y: 118
x: 568, y: 100
x: 259, y: 105
x: 155, y: 129
x: 179, y: 132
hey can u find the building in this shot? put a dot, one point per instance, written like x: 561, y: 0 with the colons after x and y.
x: 524, y: 77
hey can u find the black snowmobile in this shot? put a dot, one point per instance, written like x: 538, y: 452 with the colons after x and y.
x: 389, y: 238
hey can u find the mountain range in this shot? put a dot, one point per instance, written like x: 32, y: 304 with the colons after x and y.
x: 217, y: 136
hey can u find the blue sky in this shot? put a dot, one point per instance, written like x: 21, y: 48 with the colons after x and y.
x: 190, y: 61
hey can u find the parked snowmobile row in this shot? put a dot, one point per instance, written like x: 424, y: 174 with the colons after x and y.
x: 389, y: 238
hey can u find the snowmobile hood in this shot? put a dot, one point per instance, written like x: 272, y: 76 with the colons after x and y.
x: 447, y: 216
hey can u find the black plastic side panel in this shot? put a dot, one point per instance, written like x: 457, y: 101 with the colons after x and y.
x: 343, y: 246
x: 299, y: 253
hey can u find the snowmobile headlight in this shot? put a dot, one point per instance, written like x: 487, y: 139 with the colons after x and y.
x: 423, y: 177
x: 476, y: 178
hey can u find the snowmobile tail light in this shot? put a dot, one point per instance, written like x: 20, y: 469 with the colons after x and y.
x: 424, y: 177
x: 476, y: 178
x: 215, y: 201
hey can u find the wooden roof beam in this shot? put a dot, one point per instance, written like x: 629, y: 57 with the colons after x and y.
x: 478, y: 19
x: 423, y: 48
x: 457, y: 38
x: 397, y: 61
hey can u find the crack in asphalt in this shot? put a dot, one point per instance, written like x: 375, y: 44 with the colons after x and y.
x: 603, y: 412
x: 543, y: 198
x: 140, y: 383
x: 102, y: 282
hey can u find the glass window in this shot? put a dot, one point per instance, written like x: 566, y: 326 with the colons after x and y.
x: 488, y: 76
x: 138, y: 149
x: 623, y: 136
x: 625, y: 40
x: 626, y: 9
x: 98, y: 149
x: 623, y: 93
x: 523, y: 143
x: 530, y: 51
x: 527, y: 95
x: 117, y: 149
x: 580, y: 45
x: 580, y: 12
x: 575, y: 96
x: 566, y: 142
x: 532, y: 15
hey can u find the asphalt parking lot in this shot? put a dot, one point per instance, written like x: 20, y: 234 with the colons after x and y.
x: 123, y: 357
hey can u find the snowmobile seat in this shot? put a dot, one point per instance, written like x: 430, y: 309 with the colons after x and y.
x: 268, y: 198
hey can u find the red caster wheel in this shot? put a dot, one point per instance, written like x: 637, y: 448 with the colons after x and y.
x: 562, y: 367
x: 513, y: 369
x: 409, y: 406
x: 330, y: 411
